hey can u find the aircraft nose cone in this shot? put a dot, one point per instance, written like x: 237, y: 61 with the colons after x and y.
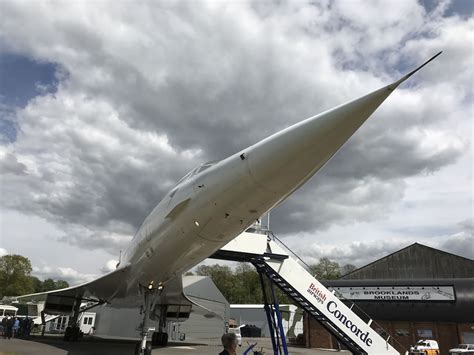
x: 284, y: 161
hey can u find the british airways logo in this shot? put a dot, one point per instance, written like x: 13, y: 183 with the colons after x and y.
x: 316, y: 292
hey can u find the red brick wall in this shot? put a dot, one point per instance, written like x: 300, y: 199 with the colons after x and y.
x: 404, y: 334
x: 463, y: 330
x: 447, y: 336
x: 316, y: 335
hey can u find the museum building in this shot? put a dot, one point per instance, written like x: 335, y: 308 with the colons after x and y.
x: 415, y: 293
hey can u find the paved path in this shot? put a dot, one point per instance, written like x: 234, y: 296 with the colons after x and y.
x: 56, y: 346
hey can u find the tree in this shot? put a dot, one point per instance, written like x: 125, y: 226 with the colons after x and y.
x: 241, y: 285
x: 61, y: 284
x: 15, y: 277
x: 50, y: 285
x: 222, y: 277
x: 37, y: 284
x: 246, y: 285
x: 326, y: 270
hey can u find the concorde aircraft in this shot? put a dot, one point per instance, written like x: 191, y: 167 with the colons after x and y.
x: 209, y: 207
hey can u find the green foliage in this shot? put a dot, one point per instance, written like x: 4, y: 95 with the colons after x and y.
x: 61, y: 284
x: 37, y: 284
x: 50, y: 285
x: 246, y: 285
x: 239, y: 286
x: 15, y: 275
x: 221, y: 275
x: 15, y: 278
x: 326, y: 270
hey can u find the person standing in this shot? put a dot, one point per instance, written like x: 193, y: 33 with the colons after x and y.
x: 229, y: 342
x: 28, y: 326
x: 9, y: 328
x: 16, y: 327
x: 4, y: 327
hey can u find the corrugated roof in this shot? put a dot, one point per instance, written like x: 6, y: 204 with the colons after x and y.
x: 416, y: 261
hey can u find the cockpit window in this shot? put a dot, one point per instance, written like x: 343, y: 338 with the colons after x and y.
x: 185, y: 177
x: 205, y: 166
x: 197, y: 170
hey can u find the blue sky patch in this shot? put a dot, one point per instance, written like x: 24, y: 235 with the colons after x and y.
x: 21, y: 79
x: 462, y: 8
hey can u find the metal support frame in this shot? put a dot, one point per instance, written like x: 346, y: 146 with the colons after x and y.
x: 43, y: 323
x: 73, y: 326
x: 77, y: 310
x: 274, y: 319
x: 72, y: 332
x: 279, y: 319
x: 150, y: 295
x: 268, y: 313
x: 285, y: 270
x: 162, y: 321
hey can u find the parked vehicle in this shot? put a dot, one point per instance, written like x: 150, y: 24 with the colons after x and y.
x: 425, y: 347
x: 462, y: 349
x: 7, y: 311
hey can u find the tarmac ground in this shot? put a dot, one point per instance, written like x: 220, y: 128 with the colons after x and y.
x: 95, y: 346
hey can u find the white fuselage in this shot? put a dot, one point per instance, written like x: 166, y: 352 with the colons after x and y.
x: 196, y: 218
x: 209, y: 208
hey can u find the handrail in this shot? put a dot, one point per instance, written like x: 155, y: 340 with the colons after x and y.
x: 354, y: 307
x: 275, y: 238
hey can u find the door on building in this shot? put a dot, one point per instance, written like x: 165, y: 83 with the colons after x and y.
x: 59, y: 324
x: 87, y: 323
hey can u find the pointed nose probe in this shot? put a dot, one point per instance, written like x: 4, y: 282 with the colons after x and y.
x: 284, y: 161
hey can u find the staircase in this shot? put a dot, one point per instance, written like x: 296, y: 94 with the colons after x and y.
x: 287, y: 271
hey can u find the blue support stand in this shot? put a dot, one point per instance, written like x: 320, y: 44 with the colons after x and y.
x: 280, y: 321
x: 268, y: 313
x: 274, y: 319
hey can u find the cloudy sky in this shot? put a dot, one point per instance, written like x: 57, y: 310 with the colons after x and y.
x: 105, y: 105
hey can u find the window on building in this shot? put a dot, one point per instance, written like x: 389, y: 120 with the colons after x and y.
x: 402, y: 332
x: 425, y: 333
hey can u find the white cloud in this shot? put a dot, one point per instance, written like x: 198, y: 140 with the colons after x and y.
x: 175, y: 84
x: 461, y: 242
x: 73, y: 277
x: 357, y: 253
x: 3, y: 252
x: 110, y: 265
x: 363, y: 242
x: 362, y: 251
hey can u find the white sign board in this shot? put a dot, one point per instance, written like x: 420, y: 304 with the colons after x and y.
x: 397, y: 293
